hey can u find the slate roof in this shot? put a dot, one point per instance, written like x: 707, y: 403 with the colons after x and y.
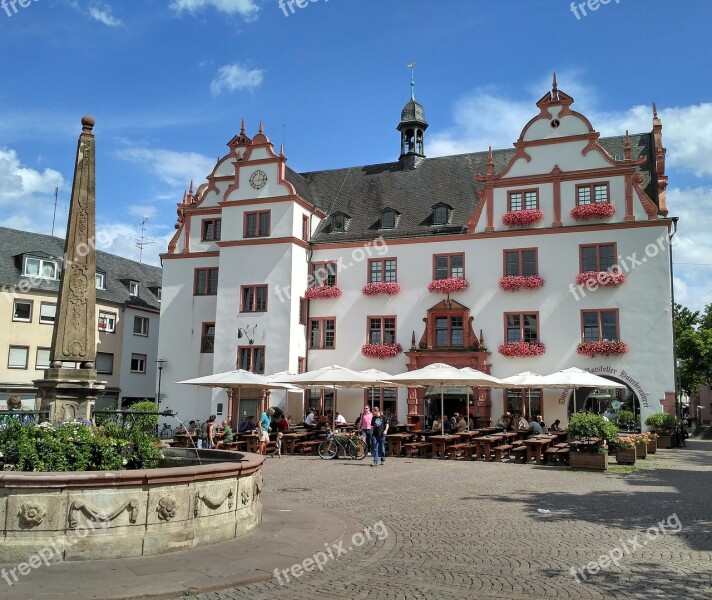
x: 363, y: 192
x: 14, y: 244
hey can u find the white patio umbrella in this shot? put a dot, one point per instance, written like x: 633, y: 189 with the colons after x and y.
x: 577, y: 378
x: 441, y: 374
x: 528, y: 380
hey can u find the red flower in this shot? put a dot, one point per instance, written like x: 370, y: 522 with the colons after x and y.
x: 448, y: 286
x: 522, y: 349
x: 597, y: 210
x: 381, y: 287
x: 593, y: 279
x: 381, y: 350
x: 522, y: 217
x: 323, y: 292
x: 602, y: 348
x: 514, y: 283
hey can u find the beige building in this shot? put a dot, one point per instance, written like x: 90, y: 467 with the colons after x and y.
x: 127, y: 307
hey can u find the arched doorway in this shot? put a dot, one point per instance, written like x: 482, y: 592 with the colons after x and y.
x: 603, y: 401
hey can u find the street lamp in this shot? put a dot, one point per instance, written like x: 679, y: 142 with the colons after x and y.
x: 246, y: 332
x: 160, y: 363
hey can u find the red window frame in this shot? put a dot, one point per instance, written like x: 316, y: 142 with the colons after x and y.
x: 382, y: 319
x: 207, y: 292
x: 301, y: 365
x: 520, y: 252
x: 254, y: 289
x: 383, y: 261
x: 315, y: 266
x: 521, y: 316
x: 598, y: 255
x: 523, y: 402
x: 207, y: 340
x: 449, y: 264
x: 258, y: 220
x: 449, y: 316
x: 305, y: 228
x: 322, y: 333
x: 252, y: 353
x: 599, y: 312
x: 592, y: 192
x: 216, y: 230
x: 523, y: 194
x: 302, y: 311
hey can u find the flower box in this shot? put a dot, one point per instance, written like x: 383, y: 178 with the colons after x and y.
x: 522, y: 217
x: 381, y: 287
x: 514, y: 283
x: 602, y: 348
x: 588, y: 461
x: 641, y: 448
x: 323, y: 292
x: 665, y: 441
x: 597, y: 210
x: 448, y: 285
x: 594, y: 279
x: 381, y: 350
x: 626, y: 456
x: 653, y: 445
x: 522, y: 349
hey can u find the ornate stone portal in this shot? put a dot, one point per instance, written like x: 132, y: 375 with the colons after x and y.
x: 70, y: 393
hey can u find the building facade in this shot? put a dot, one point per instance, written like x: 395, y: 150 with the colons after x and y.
x: 548, y: 255
x: 127, y: 308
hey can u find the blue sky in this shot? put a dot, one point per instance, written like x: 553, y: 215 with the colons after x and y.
x: 168, y: 82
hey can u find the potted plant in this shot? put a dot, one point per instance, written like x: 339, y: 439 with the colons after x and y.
x: 624, y: 419
x: 652, y: 442
x: 594, y: 432
x: 665, y: 426
x: 641, y: 444
x: 625, y: 451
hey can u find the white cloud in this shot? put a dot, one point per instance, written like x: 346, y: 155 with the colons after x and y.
x: 22, y: 185
x: 174, y: 168
x: 235, y: 77
x: 247, y: 9
x: 103, y: 14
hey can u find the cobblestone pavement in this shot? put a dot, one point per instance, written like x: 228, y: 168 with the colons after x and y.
x: 472, y: 530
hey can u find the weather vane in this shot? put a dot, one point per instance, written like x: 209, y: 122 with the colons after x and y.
x: 411, y: 66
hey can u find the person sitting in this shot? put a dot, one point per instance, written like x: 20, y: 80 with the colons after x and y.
x: 322, y: 423
x: 436, y: 424
x: 447, y: 424
x: 535, y: 428
x: 311, y: 419
x: 461, y: 424
x: 282, y: 423
x: 248, y: 425
x: 556, y: 426
x: 503, y: 421
x: 541, y: 423
x: 340, y: 419
x: 227, y: 437
x: 522, y: 424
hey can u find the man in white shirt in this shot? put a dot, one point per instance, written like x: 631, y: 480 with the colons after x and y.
x: 340, y: 420
x: 311, y: 418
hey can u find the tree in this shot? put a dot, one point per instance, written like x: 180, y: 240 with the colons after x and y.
x: 693, y: 334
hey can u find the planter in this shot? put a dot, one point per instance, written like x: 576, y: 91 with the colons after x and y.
x: 588, y: 461
x: 652, y: 446
x: 665, y: 441
x: 625, y: 456
x: 641, y: 449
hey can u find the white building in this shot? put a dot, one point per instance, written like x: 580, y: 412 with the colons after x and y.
x: 562, y: 202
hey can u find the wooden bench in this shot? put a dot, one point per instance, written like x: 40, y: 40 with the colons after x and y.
x: 562, y: 455
x: 520, y: 453
x: 308, y: 447
x: 418, y: 448
x: 452, y: 451
x: 500, y: 450
x: 518, y: 443
x: 550, y: 454
x: 235, y: 445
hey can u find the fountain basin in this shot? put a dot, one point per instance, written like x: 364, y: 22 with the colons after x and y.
x: 119, y: 514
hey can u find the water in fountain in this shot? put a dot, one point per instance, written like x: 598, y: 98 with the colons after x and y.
x: 190, y: 437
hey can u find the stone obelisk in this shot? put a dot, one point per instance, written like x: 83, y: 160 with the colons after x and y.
x: 71, y: 393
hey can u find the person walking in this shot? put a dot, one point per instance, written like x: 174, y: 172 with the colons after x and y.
x: 365, y: 427
x: 263, y: 427
x: 379, y: 429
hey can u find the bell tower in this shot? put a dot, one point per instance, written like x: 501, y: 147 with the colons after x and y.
x: 412, y: 128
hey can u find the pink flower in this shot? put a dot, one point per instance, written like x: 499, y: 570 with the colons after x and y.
x: 593, y: 279
x: 323, y: 292
x: 514, y: 283
x: 381, y: 350
x: 389, y: 289
x: 522, y: 349
x: 597, y: 210
x: 448, y: 286
x: 602, y: 348
x: 522, y: 217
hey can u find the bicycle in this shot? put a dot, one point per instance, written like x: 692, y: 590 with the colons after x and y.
x: 166, y: 432
x: 354, y: 446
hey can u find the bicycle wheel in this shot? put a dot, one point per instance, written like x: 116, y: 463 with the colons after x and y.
x: 328, y: 449
x: 358, y: 449
x: 166, y: 433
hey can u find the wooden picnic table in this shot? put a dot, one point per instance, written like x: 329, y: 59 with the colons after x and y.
x: 536, y: 447
x: 483, y: 445
x: 395, y: 442
x: 439, y: 442
x: 183, y: 440
x: 290, y: 440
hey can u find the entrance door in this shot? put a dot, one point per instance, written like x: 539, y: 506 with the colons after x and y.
x: 248, y: 407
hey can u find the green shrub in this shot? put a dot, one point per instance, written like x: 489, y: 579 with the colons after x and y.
x: 591, y: 425
x: 623, y: 417
x: 146, y: 422
x: 663, y: 422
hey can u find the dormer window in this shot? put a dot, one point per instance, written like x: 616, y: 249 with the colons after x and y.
x: 100, y: 280
x: 133, y: 288
x: 388, y: 219
x: 441, y: 214
x: 338, y: 223
x: 40, y: 267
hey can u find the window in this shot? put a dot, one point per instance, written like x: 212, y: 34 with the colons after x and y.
x: 302, y: 311
x: 322, y: 333
x: 22, y: 310
x: 388, y: 218
x: 320, y: 400
x: 522, y: 327
x: 599, y: 325
x: 527, y: 402
x: 252, y: 359
x: 206, y: 282
x: 17, y: 357
x: 207, y: 338
x: 140, y: 326
x: 440, y: 215
x: 138, y: 363
x: 381, y: 330
x: 301, y: 365
x: 591, y: 193
x: 47, y: 313
x: 104, y: 363
x: 385, y: 398
x: 211, y: 230
x: 338, y: 222
x: 597, y: 257
x: 159, y: 293
x: 449, y: 331
x: 257, y: 224
x: 100, y: 281
x: 520, y: 262
x: 382, y: 270
x: 42, y: 358
x: 133, y: 288
x: 39, y: 267
x: 107, y: 322
x: 305, y: 228
x: 449, y: 265
x: 523, y: 200
x: 253, y: 298
x: 323, y: 273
